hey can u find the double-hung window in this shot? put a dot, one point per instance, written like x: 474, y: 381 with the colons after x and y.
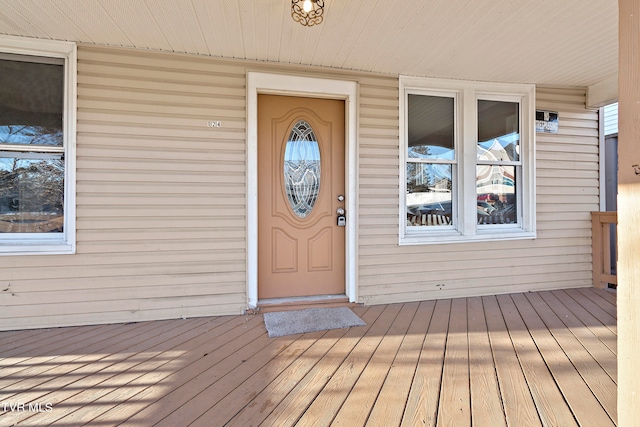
x: 468, y: 161
x: 37, y: 146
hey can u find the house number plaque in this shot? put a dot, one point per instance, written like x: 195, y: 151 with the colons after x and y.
x: 214, y: 124
x: 547, y: 121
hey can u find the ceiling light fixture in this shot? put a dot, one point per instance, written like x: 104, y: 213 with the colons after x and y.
x: 307, y: 12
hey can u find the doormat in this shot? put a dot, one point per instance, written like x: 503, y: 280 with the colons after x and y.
x: 283, y: 323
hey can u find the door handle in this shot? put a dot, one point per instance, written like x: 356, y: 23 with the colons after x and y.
x: 342, y: 220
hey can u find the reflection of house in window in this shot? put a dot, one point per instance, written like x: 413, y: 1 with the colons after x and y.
x: 32, y: 165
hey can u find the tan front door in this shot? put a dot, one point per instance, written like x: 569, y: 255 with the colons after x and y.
x: 301, y: 248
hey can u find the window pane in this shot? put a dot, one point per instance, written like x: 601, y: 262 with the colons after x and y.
x: 431, y: 127
x: 498, y: 131
x: 302, y: 169
x: 31, y: 195
x: 31, y: 101
x: 429, y: 200
x: 496, y: 194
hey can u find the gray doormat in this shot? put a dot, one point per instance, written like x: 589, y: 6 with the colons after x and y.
x: 283, y: 323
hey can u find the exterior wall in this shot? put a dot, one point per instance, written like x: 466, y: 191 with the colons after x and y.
x: 160, y: 198
x: 161, y: 210
x: 611, y: 119
x: 567, y: 191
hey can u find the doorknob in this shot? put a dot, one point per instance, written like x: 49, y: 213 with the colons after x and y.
x: 342, y: 220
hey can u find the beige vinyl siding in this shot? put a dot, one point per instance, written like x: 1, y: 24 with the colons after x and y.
x: 160, y: 198
x: 567, y: 190
x: 161, y: 201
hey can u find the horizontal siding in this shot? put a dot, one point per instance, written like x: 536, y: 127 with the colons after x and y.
x: 611, y: 119
x: 161, y: 224
x: 567, y: 191
x: 161, y: 207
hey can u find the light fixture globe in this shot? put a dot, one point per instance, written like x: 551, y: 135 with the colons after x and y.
x: 307, y: 12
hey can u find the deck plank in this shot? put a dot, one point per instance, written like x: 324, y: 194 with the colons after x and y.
x: 584, y: 405
x: 606, y: 318
x: 543, y: 358
x: 518, y: 404
x: 209, y: 364
x: 422, y: 405
x: 593, y: 375
x: 600, y: 352
x: 548, y: 399
x: 26, y: 367
x: 52, y: 376
x: 606, y: 294
x: 486, y: 403
x: 69, y: 380
x: 393, y: 397
x: 327, y: 404
x: 358, y: 405
x: 228, y: 406
x: 291, y: 408
x: 255, y: 410
x: 42, y: 345
x: 597, y: 296
x: 150, y: 364
x: 600, y: 330
x: 455, y: 396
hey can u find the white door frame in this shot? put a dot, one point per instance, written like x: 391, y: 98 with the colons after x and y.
x: 296, y: 85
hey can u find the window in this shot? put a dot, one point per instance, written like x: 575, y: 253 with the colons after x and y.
x: 37, y: 146
x: 468, y: 161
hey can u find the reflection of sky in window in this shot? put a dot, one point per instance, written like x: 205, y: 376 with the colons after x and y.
x: 30, y: 135
x: 301, y: 150
x: 434, y: 152
x: 504, y: 141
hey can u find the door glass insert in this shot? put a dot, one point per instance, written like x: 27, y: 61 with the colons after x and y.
x: 302, y: 169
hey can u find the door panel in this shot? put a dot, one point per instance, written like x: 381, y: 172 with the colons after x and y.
x: 301, y: 249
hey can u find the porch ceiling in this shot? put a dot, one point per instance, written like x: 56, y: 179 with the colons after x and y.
x: 572, y: 42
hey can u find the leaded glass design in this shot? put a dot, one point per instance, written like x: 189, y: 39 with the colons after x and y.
x: 302, y: 169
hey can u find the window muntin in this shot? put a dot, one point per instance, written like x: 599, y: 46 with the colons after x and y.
x: 492, y: 166
x: 430, y: 161
x: 37, y: 146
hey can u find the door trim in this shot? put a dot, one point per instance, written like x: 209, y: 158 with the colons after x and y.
x: 295, y: 85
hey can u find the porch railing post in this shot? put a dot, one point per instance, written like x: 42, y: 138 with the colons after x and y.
x: 601, y: 248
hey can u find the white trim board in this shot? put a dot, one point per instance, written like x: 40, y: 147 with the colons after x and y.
x: 43, y: 243
x: 295, y: 85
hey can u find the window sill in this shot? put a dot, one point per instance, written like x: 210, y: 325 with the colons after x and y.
x: 445, y: 237
x: 8, y: 248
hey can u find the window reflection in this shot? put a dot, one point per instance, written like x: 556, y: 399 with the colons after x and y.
x: 430, y: 127
x: 429, y: 191
x: 31, y: 195
x: 498, y: 131
x: 31, y: 102
x: 496, y: 194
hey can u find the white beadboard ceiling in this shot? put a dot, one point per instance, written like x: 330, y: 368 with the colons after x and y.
x: 553, y: 42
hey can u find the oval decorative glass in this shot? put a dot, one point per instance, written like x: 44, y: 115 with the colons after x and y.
x: 302, y: 169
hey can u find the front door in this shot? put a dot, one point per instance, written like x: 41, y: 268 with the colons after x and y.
x: 301, y: 246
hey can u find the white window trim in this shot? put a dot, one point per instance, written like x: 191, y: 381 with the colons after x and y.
x: 65, y: 242
x: 467, y: 93
x: 298, y: 85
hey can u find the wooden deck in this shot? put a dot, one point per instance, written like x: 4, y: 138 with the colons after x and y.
x: 545, y: 358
